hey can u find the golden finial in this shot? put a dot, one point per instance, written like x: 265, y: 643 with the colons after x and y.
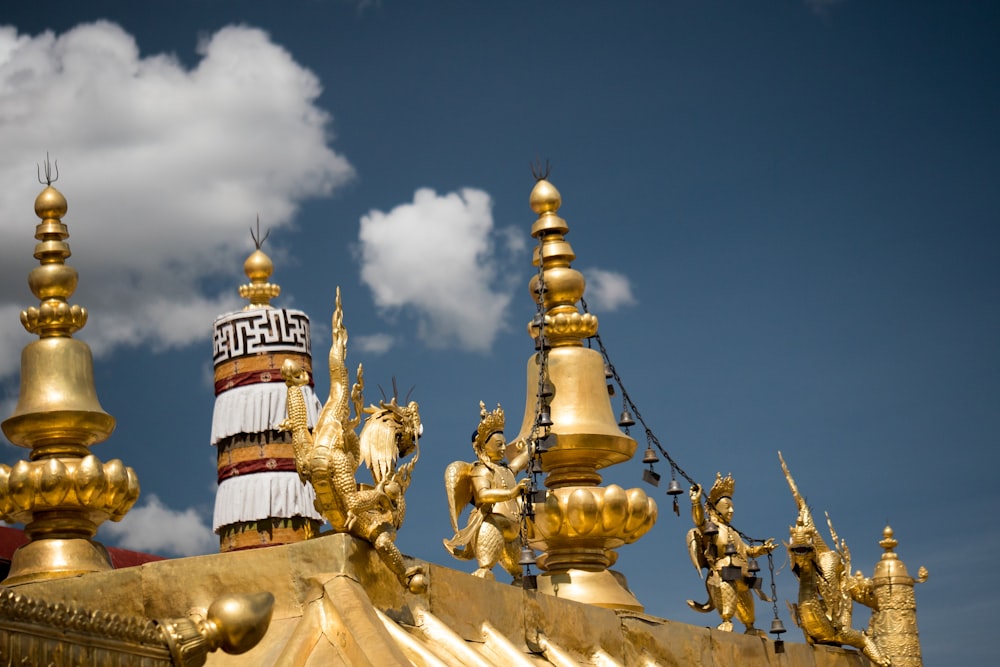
x: 888, y: 542
x: 567, y: 384
x: 258, y: 268
x: 64, y: 492
x: 563, y: 285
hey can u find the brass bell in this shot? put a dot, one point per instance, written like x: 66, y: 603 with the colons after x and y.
x: 710, y: 529
x: 544, y: 418
x: 608, y: 373
x: 777, y: 627
x: 626, y: 419
x: 650, y: 456
x: 674, y: 488
x: 752, y: 566
x: 527, y: 556
x: 730, y: 549
x: 542, y: 343
x: 546, y: 390
x: 543, y: 445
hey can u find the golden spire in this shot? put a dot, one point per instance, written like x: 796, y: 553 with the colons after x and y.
x: 564, y: 285
x: 258, y: 268
x: 894, y: 619
x: 63, y: 493
x: 581, y: 524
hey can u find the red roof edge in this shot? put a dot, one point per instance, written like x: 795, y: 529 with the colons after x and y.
x: 12, y: 538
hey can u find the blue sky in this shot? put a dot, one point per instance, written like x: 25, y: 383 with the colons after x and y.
x: 787, y: 213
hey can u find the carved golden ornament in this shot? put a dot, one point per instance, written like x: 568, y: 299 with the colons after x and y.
x: 258, y: 267
x: 489, y: 423
x: 722, y: 488
x: 566, y: 327
x: 63, y: 493
x: 827, y: 590
x: 105, y: 491
x: 36, y: 632
x: 579, y: 527
x: 580, y: 523
x: 329, y: 455
x: 54, y: 317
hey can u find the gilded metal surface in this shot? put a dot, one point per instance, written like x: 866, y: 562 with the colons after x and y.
x: 580, y: 524
x: 889, y: 593
x: 492, y: 533
x: 827, y: 590
x: 63, y: 493
x: 38, y: 633
x: 329, y: 456
x: 233, y: 623
x: 258, y: 291
x: 723, y: 553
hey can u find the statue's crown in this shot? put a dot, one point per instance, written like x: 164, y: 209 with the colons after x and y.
x: 489, y: 423
x: 723, y: 488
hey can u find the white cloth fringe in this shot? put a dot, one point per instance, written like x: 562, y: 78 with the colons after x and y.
x: 256, y: 408
x: 263, y: 495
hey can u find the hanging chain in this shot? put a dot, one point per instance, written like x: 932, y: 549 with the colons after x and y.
x: 774, y: 588
x: 650, y: 436
x: 539, y: 431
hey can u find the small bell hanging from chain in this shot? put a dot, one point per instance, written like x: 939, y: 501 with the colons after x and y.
x: 527, y: 556
x: 650, y: 476
x: 674, y: 489
x: 777, y: 627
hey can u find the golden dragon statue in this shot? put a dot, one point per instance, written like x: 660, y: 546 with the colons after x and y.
x: 330, y: 455
x: 827, y: 591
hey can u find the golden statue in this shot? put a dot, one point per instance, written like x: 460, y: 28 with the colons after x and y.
x: 714, y: 545
x: 329, y: 456
x: 493, y: 532
x: 827, y: 590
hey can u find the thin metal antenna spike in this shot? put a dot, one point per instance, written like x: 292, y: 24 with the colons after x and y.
x: 540, y: 173
x: 48, y: 171
x: 258, y: 241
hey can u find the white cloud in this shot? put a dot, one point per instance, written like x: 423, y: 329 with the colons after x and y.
x: 433, y: 257
x: 154, y: 528
x: 164, y: 168
x: 379, y: 343
x: 607, y: 290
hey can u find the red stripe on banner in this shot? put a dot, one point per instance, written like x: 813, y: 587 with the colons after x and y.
x: 260, y: 465
x: 252, y: 377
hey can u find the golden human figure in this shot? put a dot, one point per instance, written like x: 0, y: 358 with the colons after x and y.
x: 492, y: 533
x: 714, y: 545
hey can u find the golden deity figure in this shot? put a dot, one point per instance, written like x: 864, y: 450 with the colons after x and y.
x: 329, y: 457
x: 716, y: 546
x: 827, y: 590
x: 493, y: 532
